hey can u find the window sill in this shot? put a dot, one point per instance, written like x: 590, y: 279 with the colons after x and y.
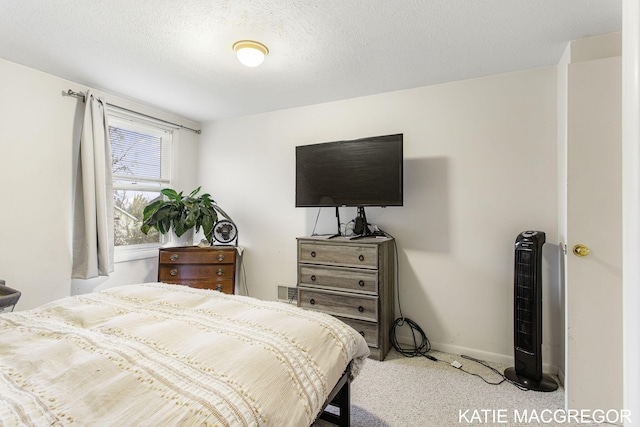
x: 132, y: 253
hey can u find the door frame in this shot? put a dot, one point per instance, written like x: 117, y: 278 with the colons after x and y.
x: 631, y: 206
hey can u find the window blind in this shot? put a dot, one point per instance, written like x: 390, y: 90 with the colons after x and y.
x: 138, y: 156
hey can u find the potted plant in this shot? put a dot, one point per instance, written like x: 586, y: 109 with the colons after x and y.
x: 182, y: 214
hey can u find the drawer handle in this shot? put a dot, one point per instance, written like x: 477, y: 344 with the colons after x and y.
x: 220, y: 258
x: 173, y: 272
x: 361, y: 257
x: 220, y: 272
x: 361, y: 309
x: 174, y: 257
x: 312, y: 301
x: 361, y: 283
x: 313, y: 254
x: 219, y: 288
x: 313, y: 277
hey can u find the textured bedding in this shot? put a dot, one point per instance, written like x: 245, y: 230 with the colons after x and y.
x: 168, y: 355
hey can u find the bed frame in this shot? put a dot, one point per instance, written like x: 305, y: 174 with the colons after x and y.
x: 340, y: 398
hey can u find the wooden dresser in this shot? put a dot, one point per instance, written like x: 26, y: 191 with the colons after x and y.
x: 352, y: 280
x: 206, y: 268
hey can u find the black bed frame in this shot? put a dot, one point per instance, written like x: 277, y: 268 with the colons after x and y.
x: 340, y: 397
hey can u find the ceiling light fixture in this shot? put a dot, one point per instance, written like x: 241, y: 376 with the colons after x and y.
x: 250, y: 53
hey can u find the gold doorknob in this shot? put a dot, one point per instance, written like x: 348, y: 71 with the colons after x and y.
x: 580, y: 250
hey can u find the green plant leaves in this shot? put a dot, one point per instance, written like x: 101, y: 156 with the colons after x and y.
x: 182, y: 213
x: 194, y: 192
x: 171, y: 194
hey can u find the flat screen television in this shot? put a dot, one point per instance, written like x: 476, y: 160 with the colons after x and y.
x: 361, y: 172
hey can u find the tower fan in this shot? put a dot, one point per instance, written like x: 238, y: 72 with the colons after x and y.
x: 527, y: 314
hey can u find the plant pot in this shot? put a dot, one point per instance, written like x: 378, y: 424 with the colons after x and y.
x: 173, y: 240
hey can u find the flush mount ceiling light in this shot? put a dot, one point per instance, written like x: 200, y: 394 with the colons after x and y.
x: 250, y: 53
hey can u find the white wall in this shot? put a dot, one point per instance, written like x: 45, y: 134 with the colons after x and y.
x: 480, y: 167
x: 480, y: 162
x: 39, y: 127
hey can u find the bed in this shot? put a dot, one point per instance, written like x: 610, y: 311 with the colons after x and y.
x: 167, y: 355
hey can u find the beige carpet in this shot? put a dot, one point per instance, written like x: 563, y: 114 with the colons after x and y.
x: 417, y: 392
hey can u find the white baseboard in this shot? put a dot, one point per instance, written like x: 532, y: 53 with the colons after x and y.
x: 482, y: 355
x: 561, y: 377
x: 478, y: 354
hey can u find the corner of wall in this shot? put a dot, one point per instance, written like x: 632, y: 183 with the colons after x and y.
x: 596, y: 47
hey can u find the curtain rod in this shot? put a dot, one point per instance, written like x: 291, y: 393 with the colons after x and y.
x: 81, y: 95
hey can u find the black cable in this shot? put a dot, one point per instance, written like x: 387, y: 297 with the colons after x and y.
x: 418, y: 349
x: 424, y: 346
x: 244, y: 274
x: 346, y: 228
x: 485, y: 364
x: 500, y: 374
x: 315, y: 224
x: 480, y: 376
x: 395, y: 250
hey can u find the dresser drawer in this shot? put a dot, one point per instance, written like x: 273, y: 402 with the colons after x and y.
x: 195, y: 271
x: 186, y: 256
x: 362, y: 281
x: 199, y: 267
x: 352, y: 280
x: 369, y: 330
x: 339, y: 304
x: 360, y: 256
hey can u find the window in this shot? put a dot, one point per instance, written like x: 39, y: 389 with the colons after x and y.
x: 141, y: 153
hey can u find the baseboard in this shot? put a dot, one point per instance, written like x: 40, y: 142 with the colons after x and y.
x: 480, y: 354
x: 561, y: 377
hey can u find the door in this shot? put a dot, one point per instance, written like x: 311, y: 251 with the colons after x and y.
x: 594, y: 219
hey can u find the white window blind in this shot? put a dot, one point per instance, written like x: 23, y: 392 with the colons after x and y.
x: 137, y: 156
x: 140, y: 152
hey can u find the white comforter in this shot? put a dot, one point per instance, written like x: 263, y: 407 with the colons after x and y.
x: 168, y: 355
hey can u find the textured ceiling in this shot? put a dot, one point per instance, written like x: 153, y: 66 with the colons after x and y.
x: 176, y: 55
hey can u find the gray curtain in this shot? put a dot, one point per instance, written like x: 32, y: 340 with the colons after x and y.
x: 93, y: 202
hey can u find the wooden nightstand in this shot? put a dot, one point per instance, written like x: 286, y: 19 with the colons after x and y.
x: 205, y: 268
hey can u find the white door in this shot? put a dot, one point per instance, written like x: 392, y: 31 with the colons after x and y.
x: 594, y: 219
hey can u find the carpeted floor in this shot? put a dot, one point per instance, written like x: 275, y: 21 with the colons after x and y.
x: 417, y: 392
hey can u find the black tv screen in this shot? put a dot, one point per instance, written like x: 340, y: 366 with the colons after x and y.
x: 361, y: 172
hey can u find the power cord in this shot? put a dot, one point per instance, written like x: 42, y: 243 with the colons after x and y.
x: 486, y: 365
x: 494, y: 370
x: 424, y: 346
x: 244, y: 275
x: 343, y: 228
x: 315, y: 224
x: 458, y: 366
x: 418, y: 349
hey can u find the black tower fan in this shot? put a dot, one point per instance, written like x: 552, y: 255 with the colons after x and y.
x: 527, y: 314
